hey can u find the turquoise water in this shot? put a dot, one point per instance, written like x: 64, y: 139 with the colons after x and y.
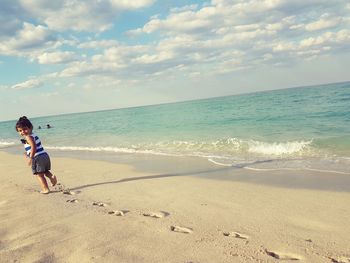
x: 310, y: 124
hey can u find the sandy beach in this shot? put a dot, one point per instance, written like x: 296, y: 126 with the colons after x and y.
x: 171, y: 211
x: 179, y: 131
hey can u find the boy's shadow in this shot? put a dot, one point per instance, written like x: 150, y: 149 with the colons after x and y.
x: 159, y: 176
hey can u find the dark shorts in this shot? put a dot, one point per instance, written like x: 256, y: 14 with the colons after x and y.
x: 41, y: 163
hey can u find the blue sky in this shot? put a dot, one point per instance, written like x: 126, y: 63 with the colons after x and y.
x: 63, y: 56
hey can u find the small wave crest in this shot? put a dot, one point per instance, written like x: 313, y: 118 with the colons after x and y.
x: 4, y: 144
x: 234, y: 146
x: 219, y: 163
x: 223, y: 148
x: 308, y: 165
x: 102, y: 149
x: 249, y: 154
x: 285, y: 148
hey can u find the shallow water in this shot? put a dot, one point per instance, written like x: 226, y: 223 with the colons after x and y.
x: 299, y: 128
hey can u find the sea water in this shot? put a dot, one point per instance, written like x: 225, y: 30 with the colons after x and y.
x: 296, y: 128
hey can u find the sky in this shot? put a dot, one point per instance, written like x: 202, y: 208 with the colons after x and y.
x: 63, y: 56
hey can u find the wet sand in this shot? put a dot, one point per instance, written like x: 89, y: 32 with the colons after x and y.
x: 155, y: 209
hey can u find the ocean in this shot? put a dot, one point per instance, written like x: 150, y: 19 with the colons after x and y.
x: 297, y: 128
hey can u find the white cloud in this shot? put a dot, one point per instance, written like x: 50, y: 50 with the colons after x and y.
x: 8, y: 25
x: 74, y: 15
x: 341, y: 37
x: 190, y: 32
x: 185, y: 21
x: 31, y: 36
x: 222, y: 15
x: 94, y: 15
x: 184, y: 8
x: 31, y: 83
x: 99, y: 44
x: 56, y: 57
x: 283, y: 46
x: 127, y: 4
x: 27, y: 40
x: 200, y: 35
x: 220, y: 37
x: 323, y: 24
x: 98, y: 67
x: 11, y: 15
x: 34, y: 82
x: 215, y: 37
x: 155, y: 58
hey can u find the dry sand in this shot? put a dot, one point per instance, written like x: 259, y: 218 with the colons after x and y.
x: 107, y: 212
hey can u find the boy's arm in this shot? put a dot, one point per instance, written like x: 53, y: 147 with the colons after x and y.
x: 32, y: 144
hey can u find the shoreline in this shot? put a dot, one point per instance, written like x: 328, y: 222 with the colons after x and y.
x: 259, y: 172
x: 226, y: 220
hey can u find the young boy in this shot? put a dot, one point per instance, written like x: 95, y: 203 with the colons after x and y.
x: 38, y: 158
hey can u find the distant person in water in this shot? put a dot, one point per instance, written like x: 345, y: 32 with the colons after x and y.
x: 38, y: 158
x: 48, y: 126
x: 39, y: 127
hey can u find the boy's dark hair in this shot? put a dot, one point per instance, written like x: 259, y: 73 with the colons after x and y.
x: 23, y: 122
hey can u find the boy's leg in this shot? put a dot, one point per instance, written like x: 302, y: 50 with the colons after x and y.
x: 43, y: 183
x: 53, y: 178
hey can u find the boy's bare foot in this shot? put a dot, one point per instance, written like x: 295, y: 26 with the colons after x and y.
x: 45, y: 192
x: 53, y: 180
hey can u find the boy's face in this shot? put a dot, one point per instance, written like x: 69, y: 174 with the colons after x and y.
x: 25, y: 131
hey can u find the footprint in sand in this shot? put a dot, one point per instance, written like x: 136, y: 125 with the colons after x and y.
x: 117, y: 212
x: 99, y: 204
x: 282, y: 256
x: 236, y: 235
x: 160, y: 214
x: 180, y: 229
x: 59, y: 187
x: 340, y: 260
x: 72, y: 201
x: 68, y: 192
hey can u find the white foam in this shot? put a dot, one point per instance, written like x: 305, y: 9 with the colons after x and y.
x: 277, y: 148
x: 269, y: 169
x: 4, y: 144
x: 279, y: 169
x: 325, y: 171
x: 296, y: 169
x: 218, y: 163
x: 103, y: 149
x: 233, y: 147
x: 221, y: 149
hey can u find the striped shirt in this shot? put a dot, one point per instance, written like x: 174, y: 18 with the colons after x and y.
x: 39, y: 147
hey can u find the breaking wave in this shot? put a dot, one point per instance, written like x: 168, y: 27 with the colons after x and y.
x: 220, y: 148
x: 4, y: 144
